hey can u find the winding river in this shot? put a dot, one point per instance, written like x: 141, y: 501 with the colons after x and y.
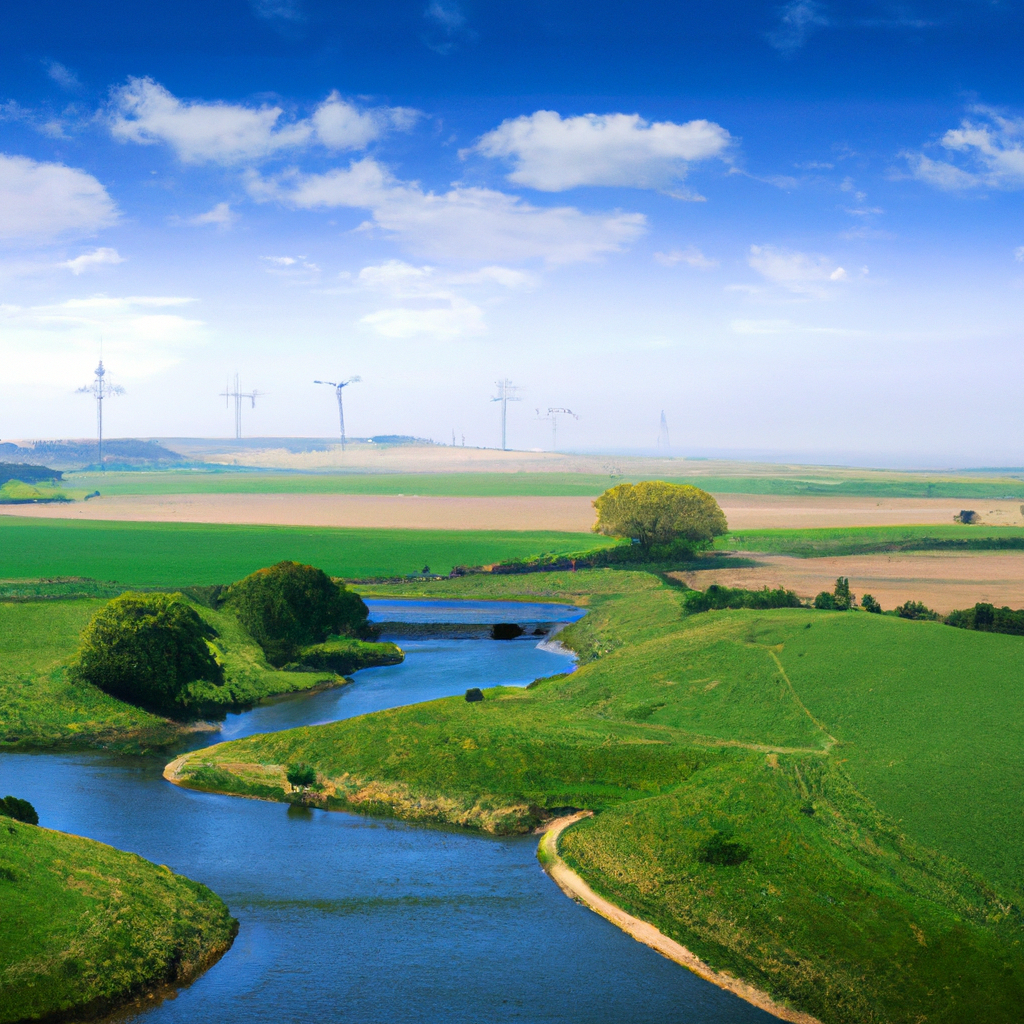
x: 346, y: 918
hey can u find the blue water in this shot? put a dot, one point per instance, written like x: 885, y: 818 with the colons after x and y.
x: 345, y: 918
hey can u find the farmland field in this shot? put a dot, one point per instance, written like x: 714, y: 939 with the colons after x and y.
x: 836, y: 751
x: 185, y: 554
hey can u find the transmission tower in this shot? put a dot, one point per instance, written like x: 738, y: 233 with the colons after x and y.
x: 663, y: 441
x: 506, y: 393
x: 234, y: 392
x: 100, y: 388
x: 553, y: 415
x: 338, y: 388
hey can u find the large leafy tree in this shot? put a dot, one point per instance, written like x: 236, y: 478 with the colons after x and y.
x: 654, y: 512
x: 288, y: 606
x: 145, y: 649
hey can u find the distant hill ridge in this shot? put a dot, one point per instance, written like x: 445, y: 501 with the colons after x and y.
x: 76, y: 454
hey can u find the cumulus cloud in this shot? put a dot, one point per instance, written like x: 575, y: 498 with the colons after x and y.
x: 692, y: 257
x: 797, y: 21
x: 463, y: 223
x: 990, y: 151
x: 802, y: 273
x: 91, y: 260
x: 143, y: 111
x: 142, y: 334
x: 40, y: 201
x: 438, y: 306
x: 220, y: 216
x: 552, y: 153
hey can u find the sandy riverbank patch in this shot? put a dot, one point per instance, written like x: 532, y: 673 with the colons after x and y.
x: 942, y: 580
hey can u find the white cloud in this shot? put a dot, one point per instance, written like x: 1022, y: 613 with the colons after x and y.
x: 552, y: 153
x: 44, y: 200
x: 298, y: 269
x: 63, y: 76
x: 692, y: 257
x: 90, y: 260
x: 456, y: 320
x: 1018, y: 254
x: 448, y: 26
x: 220, y: 216
x: 270, y: 10
x: 56, y: 343
x: 463, y: 223
x: 799, y: 272
x: 143, y: 111
x: 797, y: 21
x: 991, y: 148
x: 403, y: 279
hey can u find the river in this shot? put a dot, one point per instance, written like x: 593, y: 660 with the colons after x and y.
x: 347, y: 918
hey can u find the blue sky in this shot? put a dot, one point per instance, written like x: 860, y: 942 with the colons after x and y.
x: 794, y: 227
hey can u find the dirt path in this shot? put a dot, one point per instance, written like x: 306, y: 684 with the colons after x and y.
x: 574, y: 886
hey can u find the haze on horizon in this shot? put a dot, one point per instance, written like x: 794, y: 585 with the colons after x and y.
x: 794, y: 227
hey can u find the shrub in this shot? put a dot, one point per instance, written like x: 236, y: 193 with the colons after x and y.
x: 474, y: 694
x: 19, y: 810
x: 145, y: 649
x: 301, y: 775
x: 916, y: 610
x: 825, y: 601
x: 716, y: 597
x: 869, y: 604
x: 289, y: 606
x: 723, y: 849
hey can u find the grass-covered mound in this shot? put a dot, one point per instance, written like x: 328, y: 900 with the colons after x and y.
x: 866, y: 766
x: 86, y: 927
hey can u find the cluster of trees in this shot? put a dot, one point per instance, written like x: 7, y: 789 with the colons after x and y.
x: 147, y: 649
x: 989, y: 619
x: 717, y: 598
x: 655, y: 514
x: 19, y: 810
x: 839, y: 600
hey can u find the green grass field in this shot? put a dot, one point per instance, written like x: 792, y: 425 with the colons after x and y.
x: 554, y: 484
x: 85, y: 926
x: 861, y: 540
x: 199, y: 554
x: 870, y: 765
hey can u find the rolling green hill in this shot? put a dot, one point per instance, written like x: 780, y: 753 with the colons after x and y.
x: 867, y: 767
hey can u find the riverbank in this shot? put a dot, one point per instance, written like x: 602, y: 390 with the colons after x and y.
x: 866, y: 880
x: 577, y: 889
x: 87, y: 928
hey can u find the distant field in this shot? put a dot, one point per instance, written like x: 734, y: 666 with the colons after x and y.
x: 555, y: 484
x: 859, y: 540
x: 191, y: 554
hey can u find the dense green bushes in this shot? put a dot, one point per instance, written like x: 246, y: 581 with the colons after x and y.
x: 145, y: 649
x: 19, y: 810
x: 989, y: 619
x: 289, y: 606
x: 716, y: 597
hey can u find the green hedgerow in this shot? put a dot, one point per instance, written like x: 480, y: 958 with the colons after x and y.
x: 288, y: 606
x: 145, y: 649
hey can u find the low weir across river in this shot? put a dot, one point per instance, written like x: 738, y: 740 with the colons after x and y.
x: 347, y: 918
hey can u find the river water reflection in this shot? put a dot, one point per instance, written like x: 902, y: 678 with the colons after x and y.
x: 345, y: 918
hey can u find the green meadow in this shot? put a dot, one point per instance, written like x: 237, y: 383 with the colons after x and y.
x: 553, y: 484
x: 867, y: 767
x: 124, y: 925
x: 200, y: 554
x: 862, y: 540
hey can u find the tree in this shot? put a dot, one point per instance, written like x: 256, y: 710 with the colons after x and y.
x: 145, y: 649
x: 301, y: 775
x: 842, y: 596
x: 654, y: 512
x: 288, y: 606
x: 869, y: 604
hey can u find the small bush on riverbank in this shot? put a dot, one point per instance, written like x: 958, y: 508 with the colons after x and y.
x: 146, y: 649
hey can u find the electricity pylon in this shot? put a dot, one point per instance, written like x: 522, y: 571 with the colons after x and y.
x: 238, y: 395
x: 338, y: 388
x: 100, y: 388
x: 553, y: 415
x: 506, y: 393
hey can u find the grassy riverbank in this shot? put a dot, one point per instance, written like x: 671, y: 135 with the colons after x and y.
x: 41, y: 706
x: 87, y: 927
x: 862, y: 768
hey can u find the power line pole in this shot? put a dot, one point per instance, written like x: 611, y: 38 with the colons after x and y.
x: 663, y: 440
x: 338, y: 388
x: 506, y: 393
x: 238, y: 395
x: 100, y: 388
x: 553, y: 415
